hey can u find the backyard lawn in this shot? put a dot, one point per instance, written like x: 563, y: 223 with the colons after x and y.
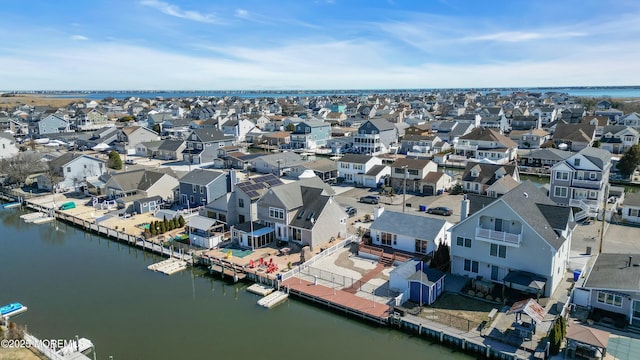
x: 459, y: 306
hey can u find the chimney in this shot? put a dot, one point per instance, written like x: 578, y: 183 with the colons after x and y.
x: 231, y: 180
x: 377, y: 212
x: 630, y: 258
x: 464, y: 208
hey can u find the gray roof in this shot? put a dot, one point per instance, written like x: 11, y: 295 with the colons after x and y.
x: 544, y: 217
x: 170, y: 145
x: 428, y: 276
x: 632, y: 199
x: 419, y: 227
x: 201, y: 222
x: 201, y: 176
x: 375, y: 170
x: 548, y: 154
x: 210, y: 135
x: 612, y: 271
x: 140, y: 179
x: 382, y: 124
x: 597, y: 156
x: 313, y: 202
x: 355, y: 158
x: 291, y: 194
x: 287, y: 158
x: 487, y: 172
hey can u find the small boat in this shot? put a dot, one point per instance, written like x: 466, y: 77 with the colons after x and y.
x: 11, y: 308
x: 11, y: 205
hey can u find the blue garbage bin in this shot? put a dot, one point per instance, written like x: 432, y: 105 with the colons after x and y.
x: 423, y: 207
x: 576, y: 275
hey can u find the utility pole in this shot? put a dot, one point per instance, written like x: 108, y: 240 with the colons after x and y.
x: 604, y: 212
x: 404, y: 189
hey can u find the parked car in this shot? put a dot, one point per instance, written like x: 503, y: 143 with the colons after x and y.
x: 370, y: 199
x: 351, y: 211
x: 440, y: 210
x: 130, y: 162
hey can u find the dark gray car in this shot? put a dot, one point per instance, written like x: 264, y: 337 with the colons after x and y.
x: 370, y: 199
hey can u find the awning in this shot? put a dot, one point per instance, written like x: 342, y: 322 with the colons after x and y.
x: 530, y: 307
x: 524, y: 278
x: 587, y: 335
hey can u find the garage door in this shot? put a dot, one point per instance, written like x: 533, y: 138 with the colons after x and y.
x: 370, y: 183
x: 427, y: 190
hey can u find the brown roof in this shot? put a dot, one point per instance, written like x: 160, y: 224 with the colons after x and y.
x: 433, y: 177
x: 279, y: 134
x: 587, y: 335
x: 410, y: 163
x: 574, y: 132
x: 489, y: 135
x: 530, y: 307
x: 602, y: 120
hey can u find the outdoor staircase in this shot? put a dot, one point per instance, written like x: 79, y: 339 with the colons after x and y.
x: 386, y: 260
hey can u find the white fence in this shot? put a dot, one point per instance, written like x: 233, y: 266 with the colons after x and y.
x: 329, y: 251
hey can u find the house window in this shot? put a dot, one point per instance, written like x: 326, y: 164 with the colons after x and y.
x: 68, y: 169
x: 560, y: 191
x: 576, y: 162
x: 296, y: 234
x: 471, y: 266
x: 609, y: 299
x: 421, y: 246
x: 498, y: 251
x: 593, y: 195
x: 201, y: 189
x: 466, y: 242
x: 386, y: 238
x: 241, y: 203
x: 562, y: 175
x: 276, y: 213
x: 593, y: 176
x: 634, y: 212
x: 194, y: 188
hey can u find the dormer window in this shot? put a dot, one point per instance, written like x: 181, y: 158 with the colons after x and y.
x: 576, y: 162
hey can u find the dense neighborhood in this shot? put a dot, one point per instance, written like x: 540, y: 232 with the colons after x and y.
x: 275, y: 171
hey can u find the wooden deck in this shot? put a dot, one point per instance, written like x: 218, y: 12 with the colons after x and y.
x: 340, y: 300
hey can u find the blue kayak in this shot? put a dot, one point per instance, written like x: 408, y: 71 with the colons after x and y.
x: 7, y: 309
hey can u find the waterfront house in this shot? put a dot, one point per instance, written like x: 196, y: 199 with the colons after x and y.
x: 547, y: 114
x: 631, y: 208
x: 148, y: 148
x: 521, y: 240
x: 202, y: 145
x: 375, y: 136
x: 617, y: 139
x: 410, y: 172
x: 137, y: 184
x: 478, y: 177
x: 129, y: 137
x: 352, y: 167
x: 610, y: 289
x: 529, y: 139
x: 205, y: 232
x: 325, y: 169
x: 408, y: 233
x: 489, y: 144
x: 52, y: 124
x: 201, y: 186
x: 148, y: 204
x: 418, y: 129
x: 598, y: 121
x: 543, y: 158
x: 91, y: 119
x: 575, y: 136
x: 310, y: 135
x: 72, y: 171
x: 582, y: 181
x: 422, y: 146
x: 303, y: 212
x: 8, y: 146
x: 416, y: 282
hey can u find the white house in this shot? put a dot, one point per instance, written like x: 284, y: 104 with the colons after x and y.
x: 205, y: 232
x: 74, y: 170
x: 408, y: 233
x: 8, y: 146
x: 631, y: 208
x: 521, y: 240
x: 353, y: 167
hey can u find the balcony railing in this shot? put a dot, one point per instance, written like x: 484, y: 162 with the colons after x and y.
x: 498, y: 236
x: 585, y: 183
x: 466, y: 147
x: 584, y: 204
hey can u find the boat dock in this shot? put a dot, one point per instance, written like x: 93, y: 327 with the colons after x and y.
x: 259, y: 289
x: 169, y: 266
x: 273, y: 299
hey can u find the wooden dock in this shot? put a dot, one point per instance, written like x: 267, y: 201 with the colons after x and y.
x: 339, y: 300
x: 273, y: 299
x: 169, y: 266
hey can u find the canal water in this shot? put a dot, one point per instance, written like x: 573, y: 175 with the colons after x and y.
x: 76, y: 283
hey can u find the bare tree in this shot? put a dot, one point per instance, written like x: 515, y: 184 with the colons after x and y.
x: 20, y: 166
x: 53, y: 176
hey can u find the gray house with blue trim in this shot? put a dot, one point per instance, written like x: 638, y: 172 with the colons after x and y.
x: 310, y: 134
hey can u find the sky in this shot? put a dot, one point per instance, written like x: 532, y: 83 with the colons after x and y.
x: 316, y: 44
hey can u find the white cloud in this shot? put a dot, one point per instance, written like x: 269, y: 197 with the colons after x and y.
x: 517, y: 36
x: 79, y: 37
x: 176, y: 11
x: 242, y: 13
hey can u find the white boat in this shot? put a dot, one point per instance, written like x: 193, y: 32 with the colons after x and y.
x: 11, y: 205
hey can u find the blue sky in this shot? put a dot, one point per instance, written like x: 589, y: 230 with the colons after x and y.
x: 316, y: 44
